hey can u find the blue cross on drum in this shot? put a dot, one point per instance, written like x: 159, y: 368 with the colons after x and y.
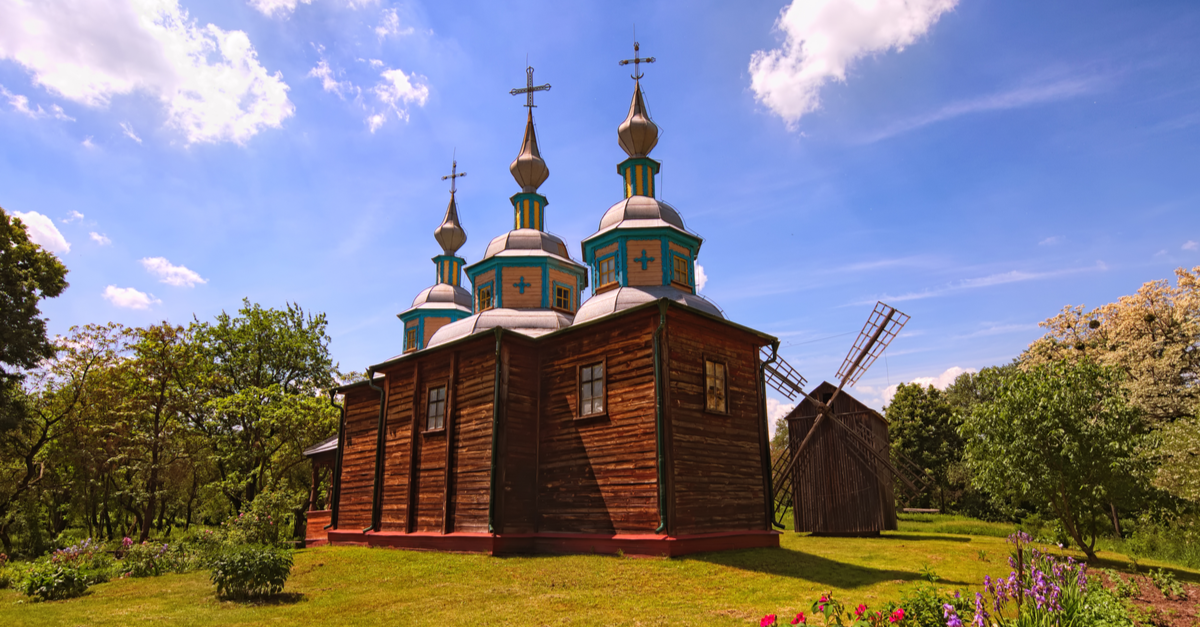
x: 521, y: 285
x: 644, y: 259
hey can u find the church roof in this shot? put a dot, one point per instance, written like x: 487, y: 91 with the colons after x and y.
x: 526, y: 242
x: 622, y: 298
x: 531, y: 322
x: 443, y: 296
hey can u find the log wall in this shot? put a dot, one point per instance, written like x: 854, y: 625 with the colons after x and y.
x: 715, y: 459
x: 358, y: 458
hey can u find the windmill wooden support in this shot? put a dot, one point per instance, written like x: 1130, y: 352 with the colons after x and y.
x: 839, y: 480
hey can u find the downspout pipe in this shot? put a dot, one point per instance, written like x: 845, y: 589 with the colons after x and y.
x: 337, y: 469
x: 377, y: 491
x: 765, y: 447
x: 495, y: 435
x: 660, y: 440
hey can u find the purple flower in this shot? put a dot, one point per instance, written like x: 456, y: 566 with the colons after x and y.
x: 952, y: 619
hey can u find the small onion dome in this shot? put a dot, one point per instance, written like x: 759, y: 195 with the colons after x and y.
x: 623, y: 298
x: 638, y: 134
x: 449, y: 234
x: 530, y: 322
x: 641, y: 211
x: 528, y: 168
x: 443, y: 296
x: 526, y: 242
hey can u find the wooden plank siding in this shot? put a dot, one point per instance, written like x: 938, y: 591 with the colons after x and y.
x: 716, y: 460
x: 472, y: 434
x: 517, y: 481
x: 599, y: 474
x: 358, y: 459
x: 839, y: 487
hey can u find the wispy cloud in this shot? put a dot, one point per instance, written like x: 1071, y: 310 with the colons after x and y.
x: 20, y: 104
x: 390, y: 25
x: 179, y: 276
x: 939, y: 381
x: 129, y: 298
x: 899, y: 262
x: 1011, y: 99
x: 72, y: 216
x: 1191, y: 245
x: 128, y: 130
x: 998, y: 329
x: 100, y: 238
x: 1050, y: 241
x: 1015, y: 276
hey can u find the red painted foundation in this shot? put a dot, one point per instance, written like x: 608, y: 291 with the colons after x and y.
x: 508, y: 544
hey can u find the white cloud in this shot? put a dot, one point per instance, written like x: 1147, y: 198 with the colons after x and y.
x: 1012, y: 99
x: 330, y: 83
x: 940, y: 381
x: 129, y: 298
x: 375, y: 62
x: 72, y: 216
x: 823, y: 37
x: 270, y: 8
x: 128, y: 130
x: 209, y: 80
x: 776, y: 410
x: 179, y: 276
x: 701, y: 277
x: 1191, y: 245
x: 397, y: 91
x: 42, y: 232
x: 20, y: 104
x: 100, y: 238
x: 1050, y: 241
x: 87, y: 142
x: 390, y: 25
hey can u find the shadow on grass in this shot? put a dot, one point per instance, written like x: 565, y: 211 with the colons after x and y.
x: 1122, y: 566
x: 283, y: 598
x: 924, y: 537
x: 784, y: 562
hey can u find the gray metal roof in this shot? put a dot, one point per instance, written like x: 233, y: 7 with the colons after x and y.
x: 531, y: 322
x: 324, y: 446
x: 641, y: 212
x: 443, y: 296
x: 527, y: 242
x: 623, y: 298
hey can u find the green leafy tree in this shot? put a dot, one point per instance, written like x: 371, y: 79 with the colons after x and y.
x: 1062, y: 435
x: 27, y: 275
x: 922, y: 427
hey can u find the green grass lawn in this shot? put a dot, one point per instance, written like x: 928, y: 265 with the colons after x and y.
x: 351, y: 586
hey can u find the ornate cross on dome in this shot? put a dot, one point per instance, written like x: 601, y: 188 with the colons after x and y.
x: 636, y: 60
x: 644, y: 259
x: 521, y: 285
x: 454, y: 174
x: 529, y: 88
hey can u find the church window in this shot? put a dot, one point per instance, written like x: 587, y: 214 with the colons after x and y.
x: 716, y: 386
x: 680, y: 268
x: 591, y: 389
x: 436, y: 414
x: 483, y: 297
x: 562, y: 297
x: 607, y: 270
x: 410, y: 339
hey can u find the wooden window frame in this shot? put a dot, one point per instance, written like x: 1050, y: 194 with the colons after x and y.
x: 490, y: 286
x: 410, y: 338
x: 429, y: 389
x: 601, y: 285
x: 579, y: 415
x: 570, y: 308
x: 725, y: 381
x: 676, y: 257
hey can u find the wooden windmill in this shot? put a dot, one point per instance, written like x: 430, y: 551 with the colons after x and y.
x: 855, y: 457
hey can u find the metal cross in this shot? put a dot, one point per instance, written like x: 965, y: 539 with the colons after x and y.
x: 454, y: 174
x: 644, y: 259
x: 521, y: 285
x: 636, y: 60
x: 529, y: 88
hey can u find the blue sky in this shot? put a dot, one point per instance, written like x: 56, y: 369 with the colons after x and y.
x: 978, y: 164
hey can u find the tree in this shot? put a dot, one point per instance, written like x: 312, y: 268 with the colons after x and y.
x: 1062, y: 435
x: 27, y: 275
x: 922, y: 427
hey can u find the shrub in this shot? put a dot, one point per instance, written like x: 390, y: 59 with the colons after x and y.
x: 251, y: 571
x: 8, y: 576
x: 89, y: 558
x: 48, y: 581
x: 261, y: 522
x: 151, y: 560
x: 923, y: 605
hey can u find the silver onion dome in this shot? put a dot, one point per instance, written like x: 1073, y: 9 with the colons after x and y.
x: 638, y: 134
x: 450, y: 234
x: 524, y: 242
x: 623, y: 298
x: 529, y: 170
x: 443, y: 296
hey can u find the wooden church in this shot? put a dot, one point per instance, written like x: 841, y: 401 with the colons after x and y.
x: 522, y: 417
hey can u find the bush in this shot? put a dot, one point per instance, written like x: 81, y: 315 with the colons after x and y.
x: 251, y: 571
x: 8, y: 577
x: 923, y: 605
x: 151, y: 560
x: 49, y: 581
x: 261, y: 522
x: 89, y: 558
x: 203, y: 546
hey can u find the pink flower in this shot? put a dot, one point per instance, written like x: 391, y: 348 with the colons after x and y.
x: 824, y: 598
x: 820, y: 608
x: 767, y: 621
x: 799, y: 620
x: 858, y: 611
x: 897, y: 615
